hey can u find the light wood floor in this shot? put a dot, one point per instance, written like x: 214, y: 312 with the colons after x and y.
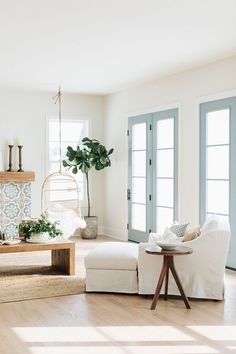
x: 118, y: 324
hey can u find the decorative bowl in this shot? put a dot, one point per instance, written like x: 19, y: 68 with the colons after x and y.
x: 166, y: 246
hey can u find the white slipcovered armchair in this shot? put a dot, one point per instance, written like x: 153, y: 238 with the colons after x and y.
x: 201, y: 273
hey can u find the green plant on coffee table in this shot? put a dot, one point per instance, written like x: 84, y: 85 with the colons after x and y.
x: 40, y: 225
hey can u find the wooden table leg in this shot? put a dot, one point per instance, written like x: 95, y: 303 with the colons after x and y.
x: 164, y: 270
x: 166, y: 283
x: 64, y: 260
x: 177, y: 280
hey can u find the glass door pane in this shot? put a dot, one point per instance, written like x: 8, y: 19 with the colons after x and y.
x: 165, y: 192
x: 139, y: 190
x: 139, y: 162
x: 218, y: 127
x: 217, y: 165
x: 165, y: 133
x: 217, y: 197
x: 164, y: 217
x: 138, y: 217
x: 165, y: 163
x: 139, y: 140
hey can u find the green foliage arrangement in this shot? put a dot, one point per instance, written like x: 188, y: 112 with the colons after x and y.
x: 40, y: 225
x: 91, y: 154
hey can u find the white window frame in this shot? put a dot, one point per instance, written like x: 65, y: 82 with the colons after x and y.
x: 83, y: 202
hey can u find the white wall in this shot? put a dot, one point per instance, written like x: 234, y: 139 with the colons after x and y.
x: 185, y: 90
x: 23, y: 116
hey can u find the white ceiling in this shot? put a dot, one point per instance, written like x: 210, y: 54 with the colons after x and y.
x: 103, y: 46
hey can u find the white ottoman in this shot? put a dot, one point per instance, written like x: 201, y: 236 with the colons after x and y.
x: 112, y: 267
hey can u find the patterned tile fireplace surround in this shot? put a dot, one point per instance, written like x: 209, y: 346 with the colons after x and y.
x: 15, y: 205
x: 15, y: 200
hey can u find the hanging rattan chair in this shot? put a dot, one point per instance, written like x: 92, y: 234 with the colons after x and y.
x: 60, y: 191
x: 60, y: 194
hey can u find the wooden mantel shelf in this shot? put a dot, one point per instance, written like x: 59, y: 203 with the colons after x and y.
x: 19, y: 177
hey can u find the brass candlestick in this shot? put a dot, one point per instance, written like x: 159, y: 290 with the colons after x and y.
x: 20, y: 158
x: 10, y: 158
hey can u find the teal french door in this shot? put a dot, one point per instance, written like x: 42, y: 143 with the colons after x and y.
x: 152, y: 173
x: 218, y: 164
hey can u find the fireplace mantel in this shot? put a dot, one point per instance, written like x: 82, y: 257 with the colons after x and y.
x: 18, y: 177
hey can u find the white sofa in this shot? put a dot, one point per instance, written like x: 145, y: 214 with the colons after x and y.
x: 126, y: 267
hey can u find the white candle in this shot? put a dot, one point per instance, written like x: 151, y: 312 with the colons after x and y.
x: 20, y: 143
x: 10, y: 142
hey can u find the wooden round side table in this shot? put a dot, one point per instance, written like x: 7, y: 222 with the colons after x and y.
x: 168, y: 263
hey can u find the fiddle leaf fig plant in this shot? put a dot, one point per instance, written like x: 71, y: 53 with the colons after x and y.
x: 91, y: 154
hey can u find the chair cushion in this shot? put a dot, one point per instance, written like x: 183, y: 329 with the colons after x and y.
x: 113, y: 255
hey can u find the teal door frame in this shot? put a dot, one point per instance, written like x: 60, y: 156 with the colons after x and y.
x: 150, y: 120
x: 227, y: 103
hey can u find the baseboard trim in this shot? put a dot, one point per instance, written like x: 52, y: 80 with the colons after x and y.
x: 115, y: 233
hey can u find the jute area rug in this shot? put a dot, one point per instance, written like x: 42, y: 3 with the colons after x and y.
x: 37, y: 283
x: 29, y: 276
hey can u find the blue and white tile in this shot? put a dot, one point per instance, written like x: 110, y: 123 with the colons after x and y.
x: 27, y: 210
x: 26, y: 190
x: 11, y: 190
x: 11, y: 211
x: 10, y: 229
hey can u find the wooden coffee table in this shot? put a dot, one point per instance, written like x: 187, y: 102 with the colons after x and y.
x: 62, y: 253
x: 168, y: 263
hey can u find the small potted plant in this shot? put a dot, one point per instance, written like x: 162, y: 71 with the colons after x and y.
x: 91, y: 154
x: 41, y: 229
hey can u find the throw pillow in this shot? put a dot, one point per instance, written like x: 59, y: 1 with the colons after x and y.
x: 169, y: 236
x: 153, y: 237
x: 191, y: 235
x: 179, y: 229
x: 69, y: 219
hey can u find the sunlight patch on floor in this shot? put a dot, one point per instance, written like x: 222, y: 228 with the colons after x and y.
x: 124, y: 350
x: 217, y: 333
x: 110, y: 339
x: 101, y: 334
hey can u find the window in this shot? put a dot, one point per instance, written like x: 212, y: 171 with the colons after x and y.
x: 152, y: 182
x: 73, y: 130
x: 217, y: 168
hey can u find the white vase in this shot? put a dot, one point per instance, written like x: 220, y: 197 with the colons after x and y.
x: 41, y: 236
